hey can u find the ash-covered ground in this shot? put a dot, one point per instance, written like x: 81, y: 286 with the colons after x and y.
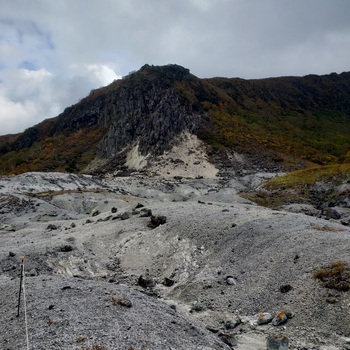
x: 163, y: 263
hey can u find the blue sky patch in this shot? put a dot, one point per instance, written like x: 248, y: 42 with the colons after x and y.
x: 28, y: 65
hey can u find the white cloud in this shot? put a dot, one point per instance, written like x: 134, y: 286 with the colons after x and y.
x: 66, y: 48
x: 15, y: 116
x: 102, y: 74
x: 28, y: 97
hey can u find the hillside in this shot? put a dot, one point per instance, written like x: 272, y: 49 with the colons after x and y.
x: 166, y: 211
x: 282, y: 123
x: 101, y: 272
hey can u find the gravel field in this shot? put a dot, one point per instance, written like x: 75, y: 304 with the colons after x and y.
x: 197, y: 273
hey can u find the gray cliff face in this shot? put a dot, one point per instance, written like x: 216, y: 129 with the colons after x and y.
x: 149, y: 115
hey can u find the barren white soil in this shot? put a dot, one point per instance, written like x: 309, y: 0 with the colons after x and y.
x: 87, y: 241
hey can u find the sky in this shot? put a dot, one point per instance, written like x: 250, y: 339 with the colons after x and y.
x: 54, y: 52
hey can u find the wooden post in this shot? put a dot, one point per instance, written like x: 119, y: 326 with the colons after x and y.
x: 20, y: 285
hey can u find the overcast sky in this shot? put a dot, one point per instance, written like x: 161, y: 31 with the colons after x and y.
x: 53, y: 52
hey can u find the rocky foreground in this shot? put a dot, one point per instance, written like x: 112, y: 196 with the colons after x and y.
x: 155, y: 263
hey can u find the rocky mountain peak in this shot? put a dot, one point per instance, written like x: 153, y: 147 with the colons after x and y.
x: 171, y: 71
x: 283, y: 123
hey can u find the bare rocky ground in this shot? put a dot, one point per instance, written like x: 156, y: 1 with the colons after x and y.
x: 98, y: 271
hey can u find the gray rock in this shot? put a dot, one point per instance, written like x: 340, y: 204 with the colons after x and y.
x: 331, y: 213
x: 264, y: 318
x: 279, y: 342
x: 289, y: 313
x: 32, y: 273
x: 125, y: 216
x: 212, y: 329
x: 285, y: 288
x: 280, y: 318
x: 332, y: 300
x: 146, y: 282
x: 157, y: 220
x: 168, y: 282
x: 198, y: 307
x: 306, y: 209
x: 228, y: 339
x: 122, y: 301
x: 231, y: 280
x: 65, y: 248
x: 145, y: 212
x: 232, y: 322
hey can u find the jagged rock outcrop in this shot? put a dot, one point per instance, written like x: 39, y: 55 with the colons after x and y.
x: 148, y: 112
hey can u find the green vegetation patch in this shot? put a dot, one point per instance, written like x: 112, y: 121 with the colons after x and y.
x: 309, y: 176
x: 298, y: 186
x: 72, y: 153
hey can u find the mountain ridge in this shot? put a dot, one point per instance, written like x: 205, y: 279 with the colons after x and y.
x: 289, y: 121
x: 202, y: 238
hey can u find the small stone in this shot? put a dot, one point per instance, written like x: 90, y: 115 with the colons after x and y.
x: 144, y: 213
x: 146, y: 282
x: 12, y: 254
x: 231, y: 281
x: 52, y: 227
x: 279, y: 319
x: 212, y: 329
x: 125, y: 302
x: 198, y: 307
x: 157, y: 220
x: 289, y: 313
x: 285, y: 288
x: 65, y: 248
x: 264, y: 318
x: 66, y: 287
x: 332, y: 300
x: 168, y: 282
x: 232, y: 322
x: 280, y: 342
x: 228, y: 339
x: 33, y: 273
x: 139, y: 205
x: 114, y: 210
x: 95, y: 212
x: 72, y: 225
x: 125, y: 216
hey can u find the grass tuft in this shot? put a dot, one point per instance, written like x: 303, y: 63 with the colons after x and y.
x: 122, y: 301
x: 328, y: 228
x: 94, y: 346
x: 335, y: 276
